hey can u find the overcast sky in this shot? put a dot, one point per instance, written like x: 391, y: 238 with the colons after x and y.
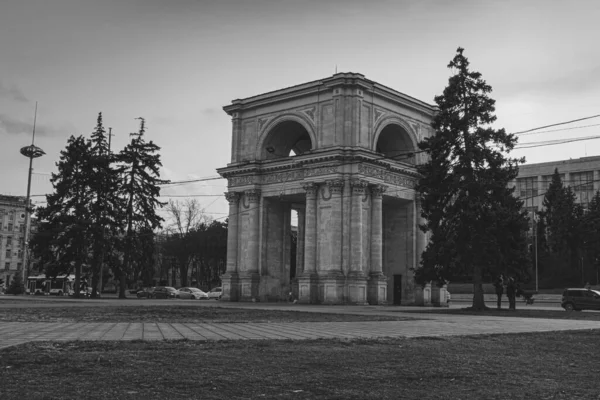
x: 178, y: 62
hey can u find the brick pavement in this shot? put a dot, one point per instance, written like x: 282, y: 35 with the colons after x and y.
x: 14, y: 333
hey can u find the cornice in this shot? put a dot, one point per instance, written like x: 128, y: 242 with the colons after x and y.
x: 337, y: 158
x: 348, y: 79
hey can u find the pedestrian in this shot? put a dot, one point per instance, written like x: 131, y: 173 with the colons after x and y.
x: 511, y: 292
x: 499, y: 286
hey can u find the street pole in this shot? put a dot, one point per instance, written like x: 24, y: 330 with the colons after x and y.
x: 104, y: 229
x: 536, y: 254
x: 31, y: 152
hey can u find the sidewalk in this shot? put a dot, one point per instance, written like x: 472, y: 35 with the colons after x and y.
x: 416, y: 325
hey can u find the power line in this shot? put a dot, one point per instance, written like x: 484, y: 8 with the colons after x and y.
x: 560, y: 130
x: 530, y: 145
x: 557, y: 124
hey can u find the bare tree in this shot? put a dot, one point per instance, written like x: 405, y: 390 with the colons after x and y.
x: 186, y: 219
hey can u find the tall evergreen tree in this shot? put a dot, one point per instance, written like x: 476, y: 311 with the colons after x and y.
x: 476, y: 223
x: 66, y: 216
x: 563, y: 218
x: 106, y: 207
x: 141, y: 175
x: 591, y: 232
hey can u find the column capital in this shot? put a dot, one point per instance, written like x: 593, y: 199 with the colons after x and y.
x: 311, y: 188
x: 335, y: 186
x: 378, y: 190
x: 232, y: 197
x: 253, y: 195
x: 358, y: 185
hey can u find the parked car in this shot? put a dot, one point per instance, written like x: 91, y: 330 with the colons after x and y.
x: 144, y: 293
x: 191, y: 293
x: 215, y: 293
x: 580, y: 299
x: 164, y: 292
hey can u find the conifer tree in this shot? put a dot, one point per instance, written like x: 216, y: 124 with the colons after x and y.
x: 66, y: 214
x: 476, y: 224
x: 141, y: 176
x: 563, y: 219
x: 106, y: 207
x: 591, y: 232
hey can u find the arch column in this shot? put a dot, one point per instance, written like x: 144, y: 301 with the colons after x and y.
x: 230, y: 279
x: 307, y: 280
x: 331, y: 277
x: 377, y: 281
x: 249, y: 277
x: 357, y: 274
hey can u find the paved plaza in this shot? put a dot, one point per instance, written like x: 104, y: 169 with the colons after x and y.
x: 416, y: 325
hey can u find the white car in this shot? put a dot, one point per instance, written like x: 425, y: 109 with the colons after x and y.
x: 191, y: 293
x: 215, y: 293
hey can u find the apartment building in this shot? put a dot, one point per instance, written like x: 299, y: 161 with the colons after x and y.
x: 12, y: 236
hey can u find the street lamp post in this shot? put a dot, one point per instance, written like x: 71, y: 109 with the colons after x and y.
x: 31, y: 151
x: 535, y: 235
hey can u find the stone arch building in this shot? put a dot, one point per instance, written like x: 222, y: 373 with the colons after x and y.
x: 340, y: 152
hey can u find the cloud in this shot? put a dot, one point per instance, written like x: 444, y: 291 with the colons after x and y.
x: 12, y: 92
x: 573, y: 83
x: 13, y: 126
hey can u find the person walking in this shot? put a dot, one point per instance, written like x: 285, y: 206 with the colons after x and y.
x: 499, y: 286
x: 511, y: 293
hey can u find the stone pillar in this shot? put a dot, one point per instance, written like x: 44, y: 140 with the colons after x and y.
x: 336, y: 188
x: 377, y: 281
x: 249, y: 277
x: 331, y: 278
x: 300, y: 242
x: 357, y: 275
x: 230, y: 279
x: 307, y: 280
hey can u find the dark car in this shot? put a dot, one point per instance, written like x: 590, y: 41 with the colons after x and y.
x: 145, y: 293
x: 164, y: 292
x: 580, y: 299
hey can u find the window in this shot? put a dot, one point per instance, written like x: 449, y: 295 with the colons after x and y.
x: 8, y: 241
x: 8, y: 253
x: 547, y: 180
x: 11, y: 216
x: 10, y: 226
x: 583, y: 186
x: 20, y: 254
x: 527, y: 190
x: 7, y: 267
x: 19, y: 265
x: 531, y: 214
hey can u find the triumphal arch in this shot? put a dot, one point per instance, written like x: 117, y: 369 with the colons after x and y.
x: 325, y: 168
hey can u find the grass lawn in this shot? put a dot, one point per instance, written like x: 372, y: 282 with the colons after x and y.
x: 525, y: 366
x: 175, y: 313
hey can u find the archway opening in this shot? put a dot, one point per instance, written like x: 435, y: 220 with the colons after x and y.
x: 394, y: 142
x: 286, y: 139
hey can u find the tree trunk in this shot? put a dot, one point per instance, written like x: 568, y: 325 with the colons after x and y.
x: 98, y: 262
x: 478, y: 300
x: 123, y: 277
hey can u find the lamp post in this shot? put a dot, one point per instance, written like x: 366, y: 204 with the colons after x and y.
x: 536, y: 251
x: 31, y: 151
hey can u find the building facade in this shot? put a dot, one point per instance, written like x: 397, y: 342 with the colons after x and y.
x: 12, y: 236
x: 339, y: 155
x: 581, y: 174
